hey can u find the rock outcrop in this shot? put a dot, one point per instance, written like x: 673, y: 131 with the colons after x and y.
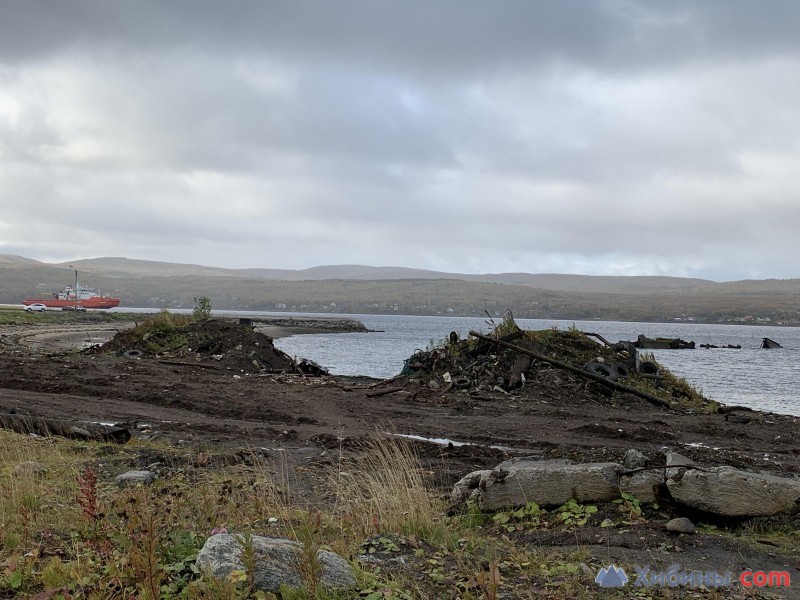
x: 547, y: 483
x: 733, y: 493
x: 721, y: 490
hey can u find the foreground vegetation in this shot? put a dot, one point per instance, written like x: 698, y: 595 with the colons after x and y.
x: 68, y: 531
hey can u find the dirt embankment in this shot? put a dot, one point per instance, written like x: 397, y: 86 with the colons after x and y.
x: 234, y: 391
x: 223, y: 387
x: 228, y: 382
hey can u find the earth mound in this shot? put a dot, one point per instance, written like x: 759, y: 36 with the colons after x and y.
x: 564, y: 366
x: 222, y: 342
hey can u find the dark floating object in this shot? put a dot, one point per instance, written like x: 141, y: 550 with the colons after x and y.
x: 734, y: 346
x: 647, y: 343
x: 768, y: 343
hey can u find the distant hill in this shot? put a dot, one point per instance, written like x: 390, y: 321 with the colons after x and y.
x: 365, y: 289
x: 13, y: 259
x: 125, y: 267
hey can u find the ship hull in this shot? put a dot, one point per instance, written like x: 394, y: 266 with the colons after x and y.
x: 94, y: 302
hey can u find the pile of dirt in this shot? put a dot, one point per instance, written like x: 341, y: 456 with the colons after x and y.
x: 583, y: 362
x: 220, y: 342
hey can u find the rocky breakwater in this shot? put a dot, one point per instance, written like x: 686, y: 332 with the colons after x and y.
x: 277, y: 327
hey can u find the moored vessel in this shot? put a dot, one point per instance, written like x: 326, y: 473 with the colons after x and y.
x: 75, y: 295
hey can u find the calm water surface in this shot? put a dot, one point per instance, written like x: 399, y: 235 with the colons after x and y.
x: 762, y: 379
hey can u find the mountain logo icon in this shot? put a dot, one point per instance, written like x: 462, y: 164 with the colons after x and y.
x: 611, y: 576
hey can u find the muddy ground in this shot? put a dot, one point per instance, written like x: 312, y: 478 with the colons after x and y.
x: 205, y: 405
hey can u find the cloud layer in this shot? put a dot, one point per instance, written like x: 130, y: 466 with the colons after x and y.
x: 613, y: 137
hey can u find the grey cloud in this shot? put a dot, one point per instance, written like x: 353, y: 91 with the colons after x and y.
x: 616, y: 136
x: 442, y: 38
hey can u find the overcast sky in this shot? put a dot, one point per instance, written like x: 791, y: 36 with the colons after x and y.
x: 594, y: 137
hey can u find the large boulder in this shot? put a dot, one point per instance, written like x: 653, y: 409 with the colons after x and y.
x: 733, y: 493
x: 547, y: 483
x: 277, y: 562
x: 644, y: 485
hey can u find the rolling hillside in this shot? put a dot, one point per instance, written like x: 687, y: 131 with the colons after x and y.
x: 363, y: 289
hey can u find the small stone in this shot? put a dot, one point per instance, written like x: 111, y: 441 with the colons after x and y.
x: 136, y: 477
x: 681, y: 525
x: 634, y: 459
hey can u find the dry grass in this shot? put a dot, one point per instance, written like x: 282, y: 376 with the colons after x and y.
x: 152, y: 534
x: 384, y: 488
x: 35, y: 486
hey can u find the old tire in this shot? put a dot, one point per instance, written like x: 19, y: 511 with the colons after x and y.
x: 602, y: 369
x: 648, y: 367
x: 133, y: 354
x: 462, y: 383
x: 621, y: 370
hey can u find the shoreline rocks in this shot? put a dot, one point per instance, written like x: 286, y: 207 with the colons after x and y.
x: 721, y: 490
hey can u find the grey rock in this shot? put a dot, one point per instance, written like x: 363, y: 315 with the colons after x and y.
x: 136, y: 477
x: 681, y: 525
x: 634, y: 459
x: 276, y: 562
x: 30, y: 467
x: 548, y: 483
x: 673, y: 458
x: 642, y: 485
x: 733, y: 493
x: 467, y: 488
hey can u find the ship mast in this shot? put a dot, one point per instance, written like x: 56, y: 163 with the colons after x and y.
x: 75, y: 290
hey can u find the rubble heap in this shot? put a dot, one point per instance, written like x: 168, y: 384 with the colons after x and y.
x: 545, y: 360
x: 225, y: 343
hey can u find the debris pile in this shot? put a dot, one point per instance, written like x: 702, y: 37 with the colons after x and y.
x: 221, y: 343
x: 513, y: 361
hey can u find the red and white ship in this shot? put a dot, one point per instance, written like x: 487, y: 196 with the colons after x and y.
x: 77, y: 295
